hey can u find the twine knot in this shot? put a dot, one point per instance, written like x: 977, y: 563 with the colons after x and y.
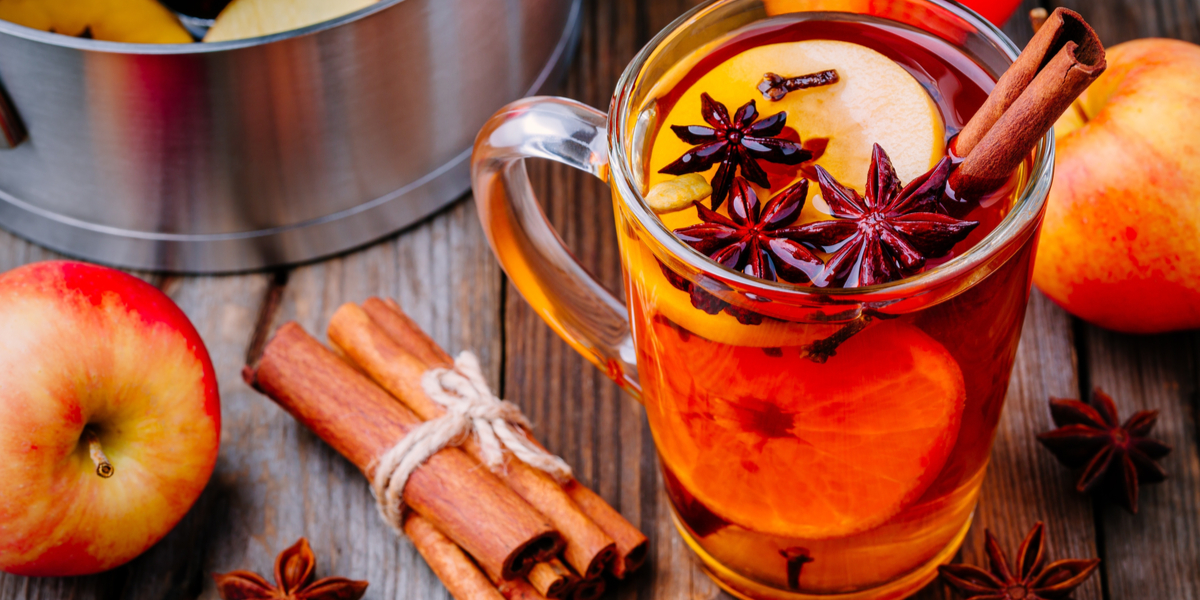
x: 471, y: 408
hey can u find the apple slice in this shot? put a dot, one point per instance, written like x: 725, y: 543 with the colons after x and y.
x: 133, y: 21
x: 253, y: 18
x: 874, y: 101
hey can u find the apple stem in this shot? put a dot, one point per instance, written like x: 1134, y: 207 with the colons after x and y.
x: 104, y: 468
x: 1077, y: 106
x: 1037, y: 18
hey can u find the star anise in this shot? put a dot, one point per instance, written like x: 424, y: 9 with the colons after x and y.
x: 1029, y: 582
x: 293, y: 581
x: 1119, y: 455
x: 753, y: 238
x: 736, y: 144
x: 888, y: 233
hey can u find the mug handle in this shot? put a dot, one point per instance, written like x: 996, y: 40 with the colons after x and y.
x: 569, y: 299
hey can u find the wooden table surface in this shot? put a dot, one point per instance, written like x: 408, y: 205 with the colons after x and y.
x: 275, y: 482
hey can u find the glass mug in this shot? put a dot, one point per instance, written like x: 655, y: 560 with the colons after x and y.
x: 829, y: 443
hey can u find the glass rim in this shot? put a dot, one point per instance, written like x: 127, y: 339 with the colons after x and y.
x: 1029, y: 203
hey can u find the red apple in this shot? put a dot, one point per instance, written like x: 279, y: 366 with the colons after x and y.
x: 996, y: 11
x: 1121, y: 242
x: 97, y: 368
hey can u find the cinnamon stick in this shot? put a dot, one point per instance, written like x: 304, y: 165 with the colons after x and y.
x: 518, y: 589
x: 349, y: 412
x: 553, y: 579
x: 589, y: 589
x: 632, y: 545
x: 588, y: 548
x: 1057, y: 65
x: 388, y: 315
x: 461, y: 577
x: 457, y: 571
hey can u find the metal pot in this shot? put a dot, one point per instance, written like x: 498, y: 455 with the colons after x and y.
x: 245, y: 154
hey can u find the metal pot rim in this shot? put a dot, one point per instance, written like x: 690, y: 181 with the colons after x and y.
x: 66, y: 41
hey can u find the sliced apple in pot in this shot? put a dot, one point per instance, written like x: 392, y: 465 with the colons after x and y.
x: 254, y: 18
x: 133, y: 21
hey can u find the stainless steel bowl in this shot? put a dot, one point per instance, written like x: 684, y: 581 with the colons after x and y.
x: 246, y: 154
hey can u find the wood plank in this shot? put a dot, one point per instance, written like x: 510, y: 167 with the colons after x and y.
x: 15, y: 252
x: 1153, y: 554
x: 1122, y: 20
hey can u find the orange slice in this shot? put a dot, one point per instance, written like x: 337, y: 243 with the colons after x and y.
x: 656, y: 294
x: 789, y: 447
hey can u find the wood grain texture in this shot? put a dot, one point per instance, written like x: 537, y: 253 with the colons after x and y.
x: 224, y: 311
x: 1156, y: 553
x: 275, y: 482
x: 1122, y: 20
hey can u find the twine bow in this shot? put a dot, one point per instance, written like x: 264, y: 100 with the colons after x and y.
x: 471, y: 407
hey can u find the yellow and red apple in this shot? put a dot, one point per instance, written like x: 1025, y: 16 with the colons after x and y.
x: 1120, y: 245
x: 996, y: 11
x: 109, y: 418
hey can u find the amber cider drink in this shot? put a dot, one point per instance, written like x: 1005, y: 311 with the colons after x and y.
x: 832, y: 447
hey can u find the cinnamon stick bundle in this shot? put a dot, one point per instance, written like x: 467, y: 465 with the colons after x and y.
x: 1058, y: 64
x: 588, y: 548
x: 362, y: 422
x: 631, y: 543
